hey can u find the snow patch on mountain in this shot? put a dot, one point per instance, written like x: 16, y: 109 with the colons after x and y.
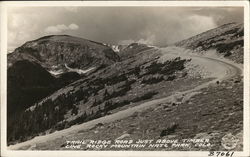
x: 115, y: 48
x: 56, y: 72
x: 79, y: 71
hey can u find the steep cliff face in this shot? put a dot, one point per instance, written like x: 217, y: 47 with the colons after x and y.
x: 56, y: 51
x: 227, y: 40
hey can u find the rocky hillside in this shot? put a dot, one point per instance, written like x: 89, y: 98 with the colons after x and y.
x: 62, y: 52
x: 227, y: 39
x: 40, y: 67
x: 138, y: 78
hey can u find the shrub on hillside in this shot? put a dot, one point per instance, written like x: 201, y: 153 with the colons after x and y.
x: 152, y: 79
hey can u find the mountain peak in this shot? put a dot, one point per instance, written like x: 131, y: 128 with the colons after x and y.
x: 58, y: 50
x: 63, y: 39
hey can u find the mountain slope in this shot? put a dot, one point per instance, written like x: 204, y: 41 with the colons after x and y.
x: 227, y: 40
x: 29, y: 82
x: 42, y: 66
x: 102, y: 92
x: 154, y: 118
x: 55, y: 51
x: 143, y: 74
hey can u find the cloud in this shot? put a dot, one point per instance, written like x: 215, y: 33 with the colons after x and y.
x: 126, y: 42
x: 150, y: 40
x: 202, y: 23
x: 73, y: 26
x: 168, y: 30
x: 61, y: 28
x: 21, y: 28
x: 159, y: 26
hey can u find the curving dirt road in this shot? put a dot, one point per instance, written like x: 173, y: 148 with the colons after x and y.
x: 220, y: 69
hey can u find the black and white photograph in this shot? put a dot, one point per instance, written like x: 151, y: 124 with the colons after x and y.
x: 128, y: 77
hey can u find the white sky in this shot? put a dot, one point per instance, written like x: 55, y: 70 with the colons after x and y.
x: 116, y: 25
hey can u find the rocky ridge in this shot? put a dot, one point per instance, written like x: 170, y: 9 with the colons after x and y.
x: 227, y: 40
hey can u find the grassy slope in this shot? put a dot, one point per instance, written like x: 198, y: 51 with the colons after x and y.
x: 198, y: 118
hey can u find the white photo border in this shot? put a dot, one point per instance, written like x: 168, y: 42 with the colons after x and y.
x: 3, y: 84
